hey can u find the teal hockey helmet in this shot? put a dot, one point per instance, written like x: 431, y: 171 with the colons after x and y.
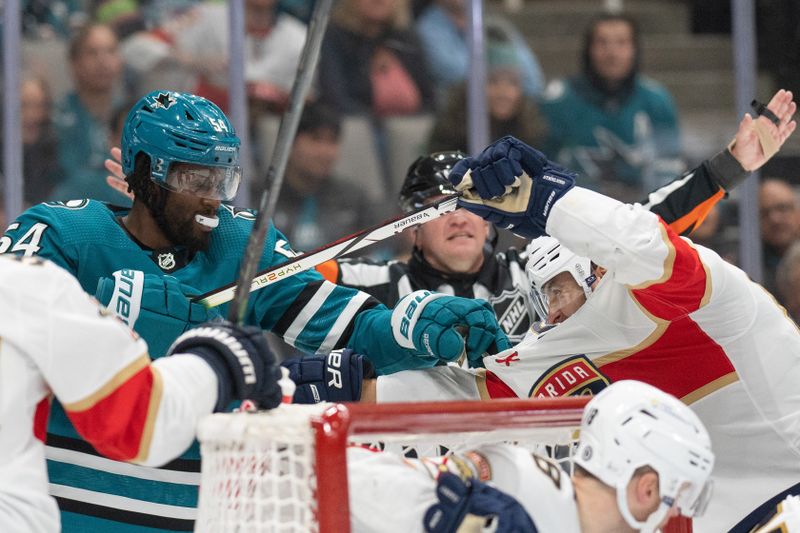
x: 193, y: 147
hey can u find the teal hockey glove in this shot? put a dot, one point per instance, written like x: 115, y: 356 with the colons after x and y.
x: 425, y: 330
x: 447, y: 327
x: 157, y: 307
x: 511, y: 185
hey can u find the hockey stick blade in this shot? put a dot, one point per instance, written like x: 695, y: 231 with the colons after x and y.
x: 335, y: 250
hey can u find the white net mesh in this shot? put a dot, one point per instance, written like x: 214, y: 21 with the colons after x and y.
x: 260, y: 470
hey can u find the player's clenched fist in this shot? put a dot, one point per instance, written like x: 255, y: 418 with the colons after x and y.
x: 241, y: 358
x: 157, y: 304
x: 512, y: 185
x: 447, y: 327
x: 336, y: 377
x: 458, y: 499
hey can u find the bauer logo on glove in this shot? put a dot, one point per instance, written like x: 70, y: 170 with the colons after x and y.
x: 406, y: 315
x: 334, y: 368
x: 336, y: 377
x: 447, y: 327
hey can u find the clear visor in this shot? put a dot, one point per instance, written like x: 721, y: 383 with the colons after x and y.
x: 213, y: 183
x: 560, y: 293
x: 692, y: 505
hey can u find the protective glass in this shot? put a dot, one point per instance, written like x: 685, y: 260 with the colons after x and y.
x: 213, y: 183
x: 561, y: 292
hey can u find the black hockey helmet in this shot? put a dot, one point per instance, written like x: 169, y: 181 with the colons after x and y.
x: 426, y: 177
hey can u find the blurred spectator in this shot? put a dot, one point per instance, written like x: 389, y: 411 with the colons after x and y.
x: 157, y: 12
x: 372, y: 63
x: 40, y: 167
x: 510, y: 111
x: 316, y: 208
x: 441, y: 29
x: 196, y: 42
x: 787, y: 277
x: 82, y: 117
x: 116, y: 123
x: 299, y: 9
x: 52, y: 18
x: 124, y: 16
x: 613, y: 125
x: 779, y: 212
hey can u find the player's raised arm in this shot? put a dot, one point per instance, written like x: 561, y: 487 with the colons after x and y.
x: 516, y: 186
x: 686, y: 201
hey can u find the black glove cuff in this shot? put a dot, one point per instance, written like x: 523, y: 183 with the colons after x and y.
x: 225, y: 393
x: 726, y: 170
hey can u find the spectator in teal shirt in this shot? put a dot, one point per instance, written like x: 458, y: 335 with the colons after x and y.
x: 83, y: 115
x: 616, y: 127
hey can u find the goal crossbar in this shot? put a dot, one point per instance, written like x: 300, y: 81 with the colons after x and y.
x: 285, y: 470
x: 336, y: 426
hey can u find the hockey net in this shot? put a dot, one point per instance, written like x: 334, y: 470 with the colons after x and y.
x: 285, y: 470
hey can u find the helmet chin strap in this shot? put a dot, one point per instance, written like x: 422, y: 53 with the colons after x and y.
x: 652, y: 521
x: 209, y: 222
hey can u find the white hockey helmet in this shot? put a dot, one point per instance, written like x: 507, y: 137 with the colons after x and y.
x: 546, y: 259
x: 632, y: 424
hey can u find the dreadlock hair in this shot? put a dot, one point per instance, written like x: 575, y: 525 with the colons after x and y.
x: 145, y: 189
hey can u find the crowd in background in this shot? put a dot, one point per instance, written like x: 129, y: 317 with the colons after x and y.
x: 390, y: 85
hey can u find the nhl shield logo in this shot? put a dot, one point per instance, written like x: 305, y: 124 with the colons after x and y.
x: 166, y: 261
x: 512, y: 314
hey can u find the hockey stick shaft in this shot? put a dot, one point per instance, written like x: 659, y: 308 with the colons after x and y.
x: 280, y: 156
x: 334, y: 250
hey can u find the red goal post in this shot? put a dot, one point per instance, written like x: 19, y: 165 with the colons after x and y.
x: 285, y: 470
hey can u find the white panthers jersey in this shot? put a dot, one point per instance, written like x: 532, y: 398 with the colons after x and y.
x: 676, y: 316
x: 390, y: 494
x: 55, y: 339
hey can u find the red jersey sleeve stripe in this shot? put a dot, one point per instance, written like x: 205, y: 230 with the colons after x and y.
x: 110, y: 386
x: 120, y: 425
x: 491, y: 387
x: 152, y: 413
x: 40, y: 417
x: 684, y: 286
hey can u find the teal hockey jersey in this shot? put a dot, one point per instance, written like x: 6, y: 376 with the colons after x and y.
x: 85, y: 237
